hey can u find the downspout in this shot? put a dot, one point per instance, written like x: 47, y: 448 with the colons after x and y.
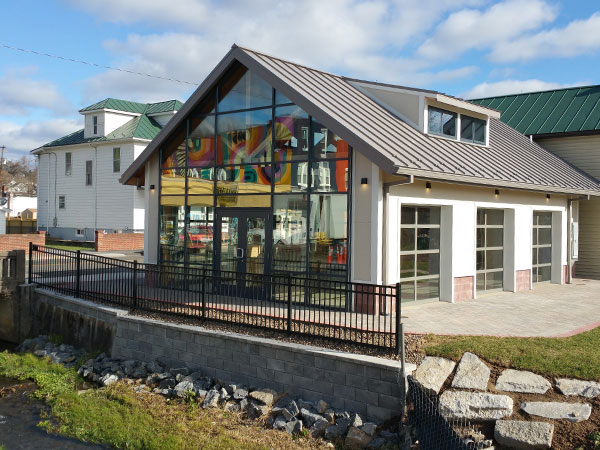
x: 95, y: 184
x: 386, y: 192
x: 569, y: 279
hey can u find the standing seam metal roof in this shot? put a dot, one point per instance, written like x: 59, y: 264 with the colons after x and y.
x: 569, y: 110
x: 510, y: 159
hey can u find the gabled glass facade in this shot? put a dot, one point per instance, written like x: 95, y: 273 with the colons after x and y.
x: 249, y: 165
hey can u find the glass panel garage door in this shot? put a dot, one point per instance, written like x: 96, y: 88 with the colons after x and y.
x: 420, y: 253
x: 542, y: 247
x: 490, y: 249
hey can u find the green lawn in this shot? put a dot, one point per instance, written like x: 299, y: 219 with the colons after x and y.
x: 118, y: 417
x: 73, y: 247
x: 576, y: 356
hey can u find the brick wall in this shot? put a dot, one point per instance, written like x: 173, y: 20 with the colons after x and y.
x: 364, y: 384
x: 463, y: 288
x: 523, y: 280
x: 21, y: 241
x: 106, y: 242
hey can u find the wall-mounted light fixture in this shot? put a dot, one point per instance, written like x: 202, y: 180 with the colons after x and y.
x: 151, y: 187
x: 547, y: 196
x: 364, y: 181
x: 496, y: 193
x: 428, y: 186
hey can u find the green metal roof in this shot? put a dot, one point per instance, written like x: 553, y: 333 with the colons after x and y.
x: 571, y: 110
x: 134, y: 107
x: 140, y: 127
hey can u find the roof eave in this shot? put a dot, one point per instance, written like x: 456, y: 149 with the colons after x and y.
x: 466, y: 179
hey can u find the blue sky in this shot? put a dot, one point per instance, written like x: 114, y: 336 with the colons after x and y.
x: 468, y: 48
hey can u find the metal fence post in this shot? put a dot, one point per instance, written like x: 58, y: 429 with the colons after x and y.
x: 30, y: 260
x: 134, y: 287
x: 204, y: 293
x: 289, y: 305
x: 398, y: 321
x: 78, y: 276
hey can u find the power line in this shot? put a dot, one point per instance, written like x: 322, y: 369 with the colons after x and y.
x: 79, y: 61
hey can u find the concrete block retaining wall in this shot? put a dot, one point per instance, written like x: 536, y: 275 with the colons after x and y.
x: 358, y: 383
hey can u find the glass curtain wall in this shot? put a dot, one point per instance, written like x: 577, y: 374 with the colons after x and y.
x: 248, y: 146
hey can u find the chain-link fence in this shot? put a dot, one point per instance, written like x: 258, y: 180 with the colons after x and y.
x: 433, y: 431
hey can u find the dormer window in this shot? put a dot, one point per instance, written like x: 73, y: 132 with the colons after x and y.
x: 472, y: 129
x: 95, y: 124
x: 442, y: 122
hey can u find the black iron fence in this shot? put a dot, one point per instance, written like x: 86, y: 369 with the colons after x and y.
x: 360, y: 313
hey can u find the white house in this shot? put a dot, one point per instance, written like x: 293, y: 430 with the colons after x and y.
x: 276, y: 168
x: 78, y: 187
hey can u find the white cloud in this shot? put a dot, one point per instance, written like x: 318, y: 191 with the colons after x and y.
x: 577, y: 38
x: 474, y: 29
x: 507, y: 87
x: 22, y: 138
x: 20, y: 94
x: 360, y: 39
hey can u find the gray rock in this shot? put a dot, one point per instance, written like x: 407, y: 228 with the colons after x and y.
x: 336, y: 431
x: 167, y: 383
x: 256, y: 410
x: 223, y: 395
x: 370, y: 428
x: 357, y: 439
x: 471, y: 373
x: 154, y: 367
x: 212, y: 399
x: 573, y: 412
x: 433, y: 372
x: 290, y: 411
x: 377, y: 443
x: 294, y: 427
x: 230, y: 388
x: 522, y: 381
x: 523, y: 435
x: 279, y: 422
x: 475, y: 405
x: 309, y: 418
x: 321, y: 406
x: 306, y: 405
x: 240, y: 394
x: 356, y: 421
x: 244, y: 404
x: 185, y: 386
x: 329, y: 415
x: 264, y: 396
x: 108, y: 379
x: 588, y: 389
x: 319, y: 427
x: 180, y: 371
x: 232, y: 407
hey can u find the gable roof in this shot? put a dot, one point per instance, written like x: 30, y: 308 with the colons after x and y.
x: 134, y: 107
x: 142, y: 126
x: 572, y: 110
x: 510, y: 160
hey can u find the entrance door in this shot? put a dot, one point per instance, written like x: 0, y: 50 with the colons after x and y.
x: 243, y: 255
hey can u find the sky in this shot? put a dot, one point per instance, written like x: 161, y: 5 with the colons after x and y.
x: 466, y: 48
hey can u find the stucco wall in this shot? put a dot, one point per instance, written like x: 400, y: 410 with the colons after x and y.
x: 458, y: 234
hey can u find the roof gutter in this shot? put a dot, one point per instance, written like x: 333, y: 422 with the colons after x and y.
x: 475, y: 181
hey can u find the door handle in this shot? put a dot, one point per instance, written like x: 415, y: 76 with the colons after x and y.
x: 239, y: 252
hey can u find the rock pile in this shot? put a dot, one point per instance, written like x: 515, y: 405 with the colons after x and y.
x: 278, y: 411
x: 482, y: 406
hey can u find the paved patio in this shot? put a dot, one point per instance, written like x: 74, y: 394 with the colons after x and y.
x: 547, y: 310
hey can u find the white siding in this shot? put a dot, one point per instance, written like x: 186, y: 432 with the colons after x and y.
x: 583, y: 152
x: 106, y: 204
x: 108, y: 121
x: 112, y: 121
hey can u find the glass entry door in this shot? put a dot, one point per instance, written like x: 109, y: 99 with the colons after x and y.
x: 243, y: 252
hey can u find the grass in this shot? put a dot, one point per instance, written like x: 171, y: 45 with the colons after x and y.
x: 118, y: 417
x: 576, y: 356
x: 71, y: 247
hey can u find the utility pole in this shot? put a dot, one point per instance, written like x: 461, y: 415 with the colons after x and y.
x: 2, y: 148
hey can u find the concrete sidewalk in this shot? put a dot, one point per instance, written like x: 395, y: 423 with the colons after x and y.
x: 547, y: 310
